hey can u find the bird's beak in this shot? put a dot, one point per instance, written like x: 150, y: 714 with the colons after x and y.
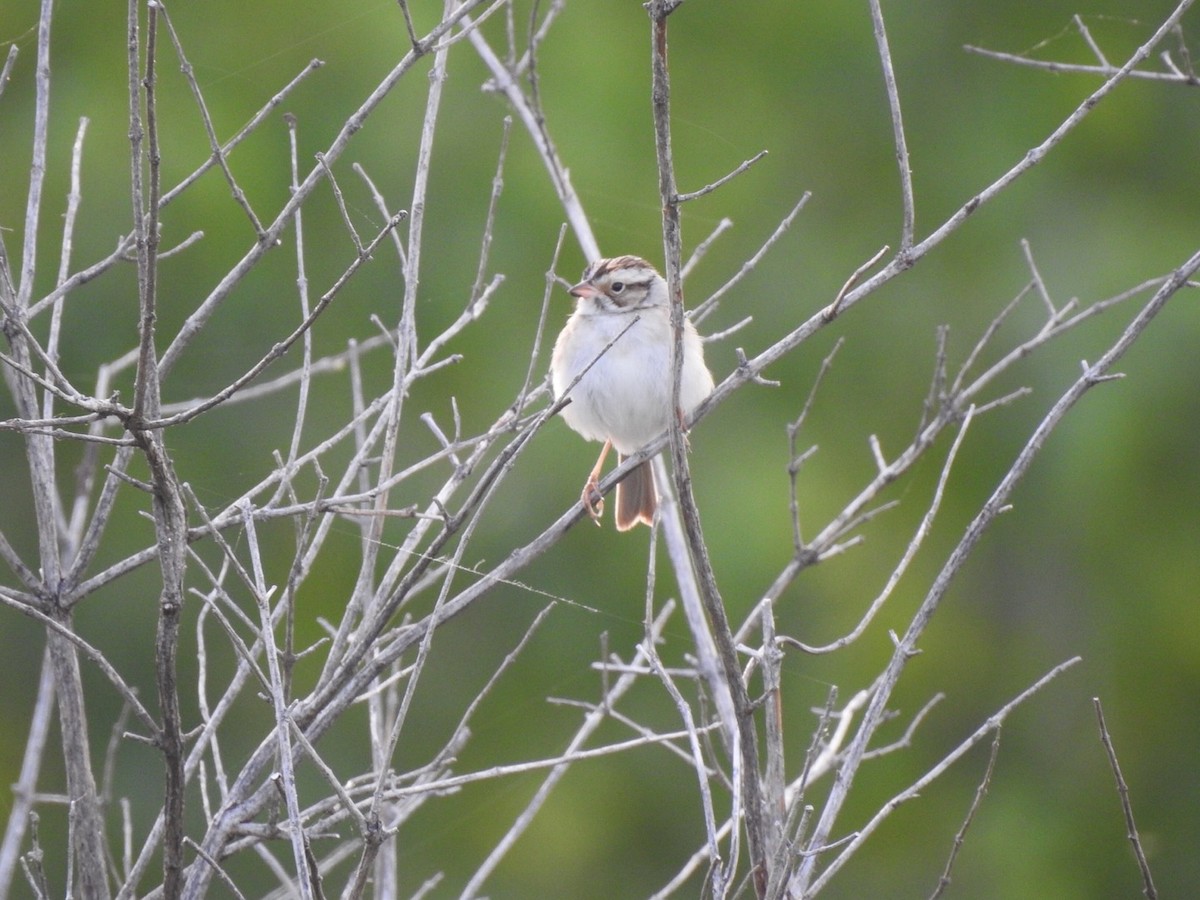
x: 583, y: 289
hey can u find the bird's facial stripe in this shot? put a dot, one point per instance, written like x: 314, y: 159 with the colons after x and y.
x: 622, y: 284
x: 602, y: 267
x: 628, y: 278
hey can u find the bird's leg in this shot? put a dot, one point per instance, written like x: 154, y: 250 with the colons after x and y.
x: 593, y: 500
x: 683, y: 429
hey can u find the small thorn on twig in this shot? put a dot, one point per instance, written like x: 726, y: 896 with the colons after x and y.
x: 835, y: 307
x: 761, y: 701
x: 387, y: 332
x: 129, y: 479
x: 721, y: 335
x: 1096, y: 378
x: 442, y: 511
x: 744, y: 366
x: 896, y: 643
x: 877, y: 452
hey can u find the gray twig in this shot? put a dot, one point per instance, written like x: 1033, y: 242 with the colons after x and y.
x: 1131, y: 829
x: 960, y: 836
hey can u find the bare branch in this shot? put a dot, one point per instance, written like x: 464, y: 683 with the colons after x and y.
x: 991, y: 725
x: 6, y: 71
x: 944, y: 881
x: 196, y: 321
x: 700, y: 564
x: 382, y: 510
x: 558, y: 767
x: 505, y: 81
x: 702, y: 310
x: 650, y: 652
x: 36, y: 744
x: 218, y: 153
x: 280, y: 348
x: 889, y: 79
x: 724, y: 179
x: 702, y: 248
x: 73, y: 199
x: 995, y: 504
x: 341, y: 204
x: 1131, y: 829
x: 128, y: 694
x: 835, y: 307
x: 910, y: 551
x: 1103, y: 71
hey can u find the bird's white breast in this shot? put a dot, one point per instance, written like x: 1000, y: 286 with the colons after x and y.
x: 625, y: 395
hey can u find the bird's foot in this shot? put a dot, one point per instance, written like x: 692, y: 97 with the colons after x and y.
x: 592, y: 499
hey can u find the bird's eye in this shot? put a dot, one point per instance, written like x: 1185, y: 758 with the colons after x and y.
x: 617, y: 287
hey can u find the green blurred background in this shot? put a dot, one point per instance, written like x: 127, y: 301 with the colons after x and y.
x: 1099, y: 557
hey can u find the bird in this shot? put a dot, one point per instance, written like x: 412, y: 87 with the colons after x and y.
x: 623, y: 393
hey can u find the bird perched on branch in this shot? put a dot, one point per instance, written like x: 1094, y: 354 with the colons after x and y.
x: 618, y: 344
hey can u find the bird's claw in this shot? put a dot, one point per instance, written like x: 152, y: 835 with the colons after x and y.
x: 593, y: 500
